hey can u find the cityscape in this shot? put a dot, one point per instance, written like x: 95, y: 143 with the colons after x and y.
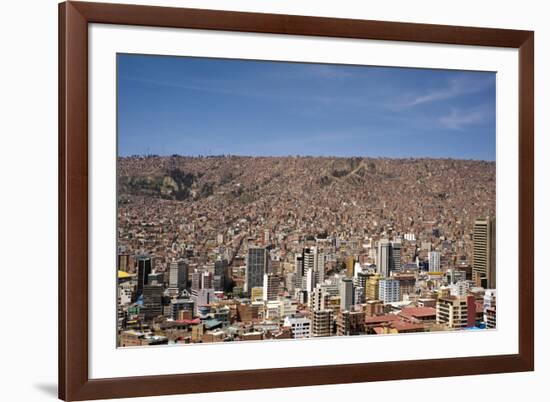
x: 248, y: 231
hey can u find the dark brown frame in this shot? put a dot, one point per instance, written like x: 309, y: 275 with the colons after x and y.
x: 74, y: 17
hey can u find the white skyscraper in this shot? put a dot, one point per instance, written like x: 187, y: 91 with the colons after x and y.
x: 388, y: 290
x: 178, y: 275
x: 310, y: 280
x: 346, y: 294
x: 434, y: 258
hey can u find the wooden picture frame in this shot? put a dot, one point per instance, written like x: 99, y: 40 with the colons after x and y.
x: 74, y: 381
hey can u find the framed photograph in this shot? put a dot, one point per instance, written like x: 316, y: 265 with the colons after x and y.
x: 260, y: 200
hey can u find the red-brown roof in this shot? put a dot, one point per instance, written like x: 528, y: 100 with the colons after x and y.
x: 194, y: 321
x: 406, y: 326
x: 381, y: 318
x: 418, y: 312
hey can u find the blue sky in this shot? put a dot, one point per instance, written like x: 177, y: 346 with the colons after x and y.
x: 197, y: 106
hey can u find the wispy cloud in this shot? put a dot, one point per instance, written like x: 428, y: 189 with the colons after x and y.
x: 458, y: 119
x: 455, y: 87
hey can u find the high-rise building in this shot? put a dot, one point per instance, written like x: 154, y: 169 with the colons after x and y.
x: 220, y: 274
x: 256, y: 267
x: 434, y: 261
x: 196, y: 282
x: 152, y: 301
x: 320, y: 266
x: 299, y: 269
x: 207, y: 280
x: 361, y: 279
x: 144, y: 268
x: 372, y: 287
x: 309, y: 255
x: 321, y: 324
x: 407, y: 283
x: 350, y: 323
x: 484, y: 267
x: 456, y: 312
x: 389, y: 257
x: 395, y: 264
x: 318, y: 299
x: 178, y: 275
x: 310, y: 281
x: 384, y: 257
x: 271, y: 287
x: 350, y: 264
x: 346, y: 294
x: 388, y: 291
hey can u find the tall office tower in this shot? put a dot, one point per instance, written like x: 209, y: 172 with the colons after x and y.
x: 256, y: 267
x: 196, y: 282
x: 271, y: 287
x: 346, y: 294
x: 320, y: 266
x: 152, y: 301
x: 361, y: 279
x: 310, y: 281
x: 350, y: 264
x: 309, y: 255
x: 372, y: 287
x: 299, y: 269
x: 434, y: 261
x: 384, y: 255
x: 144, y: 268
x: 395, y: 262
x: 322, y: 323
x: 207, y: 280
x: 483, y: 270
x: 318, y: 300
x: 178, y: 275
x: 388, y: 290
x: 220, y: 271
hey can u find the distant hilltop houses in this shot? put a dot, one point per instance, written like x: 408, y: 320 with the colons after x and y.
x: 220, y: 249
